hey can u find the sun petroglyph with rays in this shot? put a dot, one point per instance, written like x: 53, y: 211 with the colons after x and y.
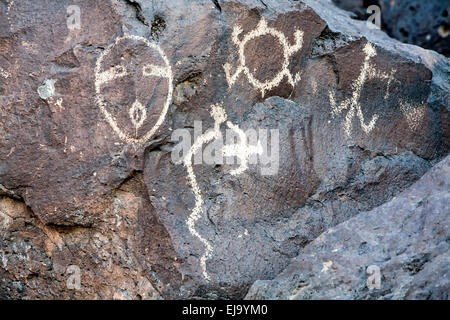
x: 288, y: 50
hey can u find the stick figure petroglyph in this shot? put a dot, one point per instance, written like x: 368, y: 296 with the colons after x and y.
x: 137, y: 110
x: 241, y: 149
x: 288, y: 50
x: 352, y: 103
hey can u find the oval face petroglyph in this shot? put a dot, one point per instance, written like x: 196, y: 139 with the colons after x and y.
x: 133, y: 84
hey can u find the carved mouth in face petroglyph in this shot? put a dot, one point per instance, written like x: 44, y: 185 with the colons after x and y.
x: 138, y: 114
x: 133, y: 83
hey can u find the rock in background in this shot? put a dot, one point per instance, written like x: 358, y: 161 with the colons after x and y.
x: 74, y: 193
x: 423, y: 23
x: 407, y: 239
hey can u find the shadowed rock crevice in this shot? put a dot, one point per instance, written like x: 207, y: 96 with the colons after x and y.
x: 139, y: 14
x: 327, y: 42
x: 155, y: 249
x: 217, y: 4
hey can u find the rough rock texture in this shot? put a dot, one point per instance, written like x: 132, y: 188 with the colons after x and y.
x: 77, y: 190
x: 408, y: 238
x: 423, y: 23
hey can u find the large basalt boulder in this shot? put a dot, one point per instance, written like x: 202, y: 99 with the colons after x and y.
x: 90, y: 117
x: 405, y: 240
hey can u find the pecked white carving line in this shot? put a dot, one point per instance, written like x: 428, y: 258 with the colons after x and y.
x: 242, y: 150
x: 414, y: 114
x: 4, y: 74
x: 219, y: 116
x: 288, y: 50
x: 352, y: 104
x: 9, y: 3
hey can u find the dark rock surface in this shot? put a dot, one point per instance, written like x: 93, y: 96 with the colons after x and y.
x: 423, y: 23
x: 407, y: 238
x: 78, y: 191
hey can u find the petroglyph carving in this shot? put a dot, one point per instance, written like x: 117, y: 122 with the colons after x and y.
x: 241, y: 149
x: 4, y: 74
x: 288, y: 50
x: 138, y: 114
x: 137, y: 110
x: 414, y: 114
x: 9, y: 3
x: 352, y: 104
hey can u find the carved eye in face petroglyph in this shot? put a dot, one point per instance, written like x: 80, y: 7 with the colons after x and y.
x: 263, y: 30
x: 133, y: 87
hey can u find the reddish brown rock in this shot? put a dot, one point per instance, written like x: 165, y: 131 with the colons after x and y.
x: 80, y: 191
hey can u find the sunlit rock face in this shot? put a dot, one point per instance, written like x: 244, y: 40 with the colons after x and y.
x: 295, y: 118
